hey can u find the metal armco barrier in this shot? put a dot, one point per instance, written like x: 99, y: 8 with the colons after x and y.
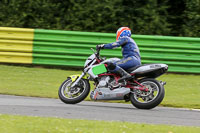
x: 16, y: 45
x: 71, y: 48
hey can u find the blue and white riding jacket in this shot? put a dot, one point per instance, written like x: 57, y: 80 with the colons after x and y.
x: 129, y: 47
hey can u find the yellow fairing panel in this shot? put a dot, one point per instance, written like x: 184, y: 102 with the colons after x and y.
x: 74, y: 77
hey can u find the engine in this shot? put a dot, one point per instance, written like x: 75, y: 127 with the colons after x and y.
x: 108, y: 82
x: 108, y: 89
x: 103, y: 81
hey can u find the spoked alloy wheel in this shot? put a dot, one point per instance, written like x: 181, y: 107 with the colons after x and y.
x: 76, y: 94
x: 146, y: 97
x: 151, y: 98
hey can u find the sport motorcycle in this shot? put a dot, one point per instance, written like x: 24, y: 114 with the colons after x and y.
x: 142, y: 89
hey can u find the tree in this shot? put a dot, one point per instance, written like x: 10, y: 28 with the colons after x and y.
x: 191, y: 18
x: 147, y: 16
x: 175, y: 16
x: 151, y: 17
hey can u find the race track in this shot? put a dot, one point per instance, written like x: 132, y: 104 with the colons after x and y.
x: 97, y: 111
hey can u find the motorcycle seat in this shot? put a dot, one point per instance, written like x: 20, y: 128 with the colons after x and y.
x: 132, y: 69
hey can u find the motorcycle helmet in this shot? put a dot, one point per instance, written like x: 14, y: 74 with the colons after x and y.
x: 123, y: 31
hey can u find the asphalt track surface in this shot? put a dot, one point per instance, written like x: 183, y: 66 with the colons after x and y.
x: 47, y: 107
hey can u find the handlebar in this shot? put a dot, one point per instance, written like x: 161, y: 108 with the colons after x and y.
x: 98, y: 49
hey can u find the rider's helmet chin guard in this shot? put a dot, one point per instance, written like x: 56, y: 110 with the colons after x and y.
x: 123, y: 31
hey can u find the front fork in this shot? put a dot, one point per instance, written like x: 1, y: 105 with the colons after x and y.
x: 77, y: 78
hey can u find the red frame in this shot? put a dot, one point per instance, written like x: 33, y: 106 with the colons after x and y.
x: 117, y: 77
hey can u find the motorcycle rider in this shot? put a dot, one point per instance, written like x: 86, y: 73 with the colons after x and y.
x: 130, y: 52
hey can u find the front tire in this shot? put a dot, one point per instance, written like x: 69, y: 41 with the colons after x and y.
x: 150, y: 99
x: 76, y: 94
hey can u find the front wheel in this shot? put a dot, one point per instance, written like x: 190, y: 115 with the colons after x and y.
x: 76, y: 94
x: 148, y: 99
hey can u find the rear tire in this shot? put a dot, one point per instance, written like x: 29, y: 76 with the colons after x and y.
x: 150, y: 101
x: 76, y: 94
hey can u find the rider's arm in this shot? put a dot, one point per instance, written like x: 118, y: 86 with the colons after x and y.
x: 119, y: 43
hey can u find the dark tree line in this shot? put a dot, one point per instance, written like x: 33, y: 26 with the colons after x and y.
x: 150, y: 17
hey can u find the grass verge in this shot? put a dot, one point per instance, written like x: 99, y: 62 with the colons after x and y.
x: 28, y: 124
x: 181, y: 90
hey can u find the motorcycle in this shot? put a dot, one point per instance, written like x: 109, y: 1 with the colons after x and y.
x: 142, y: 89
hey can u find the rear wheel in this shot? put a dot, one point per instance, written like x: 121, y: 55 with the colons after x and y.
x: 148, y: 99
x: 76, y: 94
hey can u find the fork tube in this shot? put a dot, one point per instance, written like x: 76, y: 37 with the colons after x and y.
x: 79, y: 78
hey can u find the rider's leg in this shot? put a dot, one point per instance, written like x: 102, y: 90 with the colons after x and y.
x: 123, y: 73
x: 129, y: 62
x: 116, y: 69
x: 124, y: 64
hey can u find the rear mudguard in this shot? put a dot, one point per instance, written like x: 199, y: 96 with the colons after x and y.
x: 74, y: 77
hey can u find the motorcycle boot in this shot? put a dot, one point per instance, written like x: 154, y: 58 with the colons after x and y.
x: 116, y: 69
x: 123, y: 73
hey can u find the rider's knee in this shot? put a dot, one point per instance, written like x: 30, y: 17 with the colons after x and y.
x: 111, y: 66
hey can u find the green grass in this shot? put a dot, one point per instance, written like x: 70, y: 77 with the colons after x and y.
x: 28, y: 124
x: 181, y: 90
